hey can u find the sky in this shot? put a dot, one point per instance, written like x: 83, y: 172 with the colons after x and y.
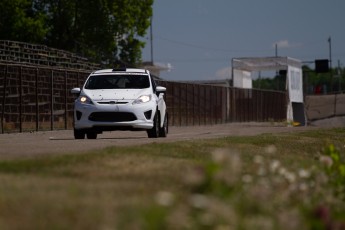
x: 198, y: 38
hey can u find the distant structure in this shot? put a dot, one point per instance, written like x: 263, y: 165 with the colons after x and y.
x: 242, y: 69
x: 14, y: 52
x: 155, y: 69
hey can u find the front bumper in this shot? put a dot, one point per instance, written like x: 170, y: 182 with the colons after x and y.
x: 102, y: 117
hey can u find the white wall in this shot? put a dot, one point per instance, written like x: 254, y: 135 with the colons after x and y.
x: 242, y: 79
x: 295, y: 84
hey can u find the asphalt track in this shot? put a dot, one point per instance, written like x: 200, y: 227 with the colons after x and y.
x: 61, y: 142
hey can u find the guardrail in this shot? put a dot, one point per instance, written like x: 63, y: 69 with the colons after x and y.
x: 39, y: 98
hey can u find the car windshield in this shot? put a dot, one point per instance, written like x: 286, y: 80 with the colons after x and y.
x: 113, y: 81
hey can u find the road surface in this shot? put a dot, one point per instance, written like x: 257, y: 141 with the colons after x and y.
x: 58, y: 142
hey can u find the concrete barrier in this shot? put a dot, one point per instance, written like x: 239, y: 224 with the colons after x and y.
x: 324, y: 106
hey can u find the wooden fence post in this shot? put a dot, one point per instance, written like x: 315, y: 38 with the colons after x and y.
x: 66, y: 99
x: 4, y: 100
x: 20, y: 99
x: 36, y: 100
x: 52, y: 100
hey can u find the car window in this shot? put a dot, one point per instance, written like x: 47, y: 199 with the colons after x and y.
x: 126, y: 81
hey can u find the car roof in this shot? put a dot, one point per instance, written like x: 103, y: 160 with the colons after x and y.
x: 122, y: 70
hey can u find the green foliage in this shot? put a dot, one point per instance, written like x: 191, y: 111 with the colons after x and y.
x: 314, y: 83
x: 276, y: 83
x: 154, y: 218
x: 228, y: 193
x: 105, y: 31
x: 19, y: 21
x: 323, y: 216
x: 334, y: 163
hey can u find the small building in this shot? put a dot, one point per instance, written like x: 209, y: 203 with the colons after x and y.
x: 242, y: 69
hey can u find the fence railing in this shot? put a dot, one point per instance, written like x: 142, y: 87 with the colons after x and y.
x: 38, y: 98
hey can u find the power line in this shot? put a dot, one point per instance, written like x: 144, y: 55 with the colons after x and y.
x: 190, y: 60
x: 207, y: 47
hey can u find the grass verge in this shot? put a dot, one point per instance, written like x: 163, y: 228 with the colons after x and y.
x: 270, y: 181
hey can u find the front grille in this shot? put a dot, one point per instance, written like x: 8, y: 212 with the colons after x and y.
x: 112, y: 116
x: 112, y: 102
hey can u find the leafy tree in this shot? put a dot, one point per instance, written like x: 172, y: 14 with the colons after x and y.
x: 60, y: 19
x: 106, y: 31
x: 277, y: 83
x: 95, y: 33
x: 314, y: 83
x: 134, y: 22
x: 19, y: 21
x: 319, y: 83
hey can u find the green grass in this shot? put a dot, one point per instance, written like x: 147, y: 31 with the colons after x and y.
x: 271, y: 181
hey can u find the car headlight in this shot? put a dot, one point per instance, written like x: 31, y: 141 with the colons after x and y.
x: 142, y: 99
x: 84, y: 100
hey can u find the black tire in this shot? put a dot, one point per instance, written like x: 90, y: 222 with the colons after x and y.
x: 91, y: 135
x: 79, y: 134
x: 154, y: 132
x: 163, y: 132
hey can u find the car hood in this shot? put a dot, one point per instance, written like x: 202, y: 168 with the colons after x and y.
x: 117, y: 94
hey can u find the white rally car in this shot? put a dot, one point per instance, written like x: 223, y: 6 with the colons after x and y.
x: 120, y: 99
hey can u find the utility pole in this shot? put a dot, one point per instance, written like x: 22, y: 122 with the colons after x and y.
x: 330, y: 62
x: 339, y: 76
x: 277, y: 72
x: 151, y: 40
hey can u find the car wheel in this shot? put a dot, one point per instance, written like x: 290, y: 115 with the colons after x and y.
x: 154, y: 132
x: 91, y: 135
x: 79, y: 134
x: 163, y: 132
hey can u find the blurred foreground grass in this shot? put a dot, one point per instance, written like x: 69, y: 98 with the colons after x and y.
x: 271, y: 181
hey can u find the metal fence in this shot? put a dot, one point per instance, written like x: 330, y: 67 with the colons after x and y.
x: 38, y: 98
x: 198, y: 104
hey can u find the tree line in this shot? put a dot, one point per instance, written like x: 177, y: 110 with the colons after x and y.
x: 105, y: 31
x: 313, y: 82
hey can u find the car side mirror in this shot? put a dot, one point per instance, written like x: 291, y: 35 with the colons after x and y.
x: 160, y: 89
x: 76, y: 91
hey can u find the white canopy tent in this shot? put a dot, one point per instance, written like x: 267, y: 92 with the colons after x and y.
x: 242, y: 69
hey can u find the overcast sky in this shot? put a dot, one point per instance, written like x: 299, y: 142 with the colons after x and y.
x: 198, y: 38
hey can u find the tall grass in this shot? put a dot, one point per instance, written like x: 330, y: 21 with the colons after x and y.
x: 280, y: 181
